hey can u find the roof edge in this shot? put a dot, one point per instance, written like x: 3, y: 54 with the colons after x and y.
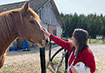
x: 57, y: 13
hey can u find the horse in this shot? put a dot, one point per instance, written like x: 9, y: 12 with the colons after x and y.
x: 22, y: 23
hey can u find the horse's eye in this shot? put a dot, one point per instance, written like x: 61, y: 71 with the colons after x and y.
x: 32, y: 22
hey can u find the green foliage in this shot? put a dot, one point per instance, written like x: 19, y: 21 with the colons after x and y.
x: 94, y: 24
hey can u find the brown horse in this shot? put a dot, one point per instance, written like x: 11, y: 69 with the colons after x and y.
x: 21, y: 22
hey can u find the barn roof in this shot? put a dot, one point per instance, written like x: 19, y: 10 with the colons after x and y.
x: 37, y: 5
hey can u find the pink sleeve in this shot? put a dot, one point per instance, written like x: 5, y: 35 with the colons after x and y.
x: 60, y: 42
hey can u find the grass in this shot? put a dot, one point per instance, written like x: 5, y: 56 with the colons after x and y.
x: 28, y: 67
x: 7, y: 69
x: 93, y: 41
x: 62, y: 67
x: 16, y: 69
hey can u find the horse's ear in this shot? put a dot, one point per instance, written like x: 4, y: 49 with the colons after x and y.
x: 25, y: 7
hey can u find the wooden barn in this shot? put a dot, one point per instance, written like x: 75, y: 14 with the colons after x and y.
x: 47, y: 11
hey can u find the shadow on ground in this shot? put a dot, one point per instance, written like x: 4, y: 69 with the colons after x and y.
x: 34, y: 49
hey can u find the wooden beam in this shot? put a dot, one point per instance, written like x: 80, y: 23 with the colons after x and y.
x: 42, y: 60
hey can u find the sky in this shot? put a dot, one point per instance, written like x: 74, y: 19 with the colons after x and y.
x: 81, y: 6
x: 74, y: 6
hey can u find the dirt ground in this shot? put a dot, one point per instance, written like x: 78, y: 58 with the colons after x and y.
x: 29, y: 61
x: 99, y: 53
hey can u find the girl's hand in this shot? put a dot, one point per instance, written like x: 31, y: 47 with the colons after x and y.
x: 73, y: 69
x: 45, y: 31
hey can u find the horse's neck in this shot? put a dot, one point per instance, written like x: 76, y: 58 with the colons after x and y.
x: 7, y: 35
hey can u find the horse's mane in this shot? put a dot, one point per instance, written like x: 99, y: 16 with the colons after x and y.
x: 9, y: 11
x: 18, y: 9
x: 5, y: 27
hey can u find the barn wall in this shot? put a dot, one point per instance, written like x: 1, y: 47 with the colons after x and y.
x: 48, y: 17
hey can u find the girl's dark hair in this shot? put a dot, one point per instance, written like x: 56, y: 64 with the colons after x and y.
x: 81, y: 36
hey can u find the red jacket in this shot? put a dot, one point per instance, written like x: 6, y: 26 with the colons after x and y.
x: 86, y: 56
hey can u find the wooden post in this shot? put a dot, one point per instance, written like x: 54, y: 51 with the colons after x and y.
x: 50, y: 50
x: 66, y: 60
x: 89, y: 39
x: 42, y: 60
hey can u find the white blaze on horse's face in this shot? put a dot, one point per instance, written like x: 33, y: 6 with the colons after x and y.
x: 41, y: 44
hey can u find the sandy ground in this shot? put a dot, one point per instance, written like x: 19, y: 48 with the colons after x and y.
x: 29, y: 61
x: 99, y: 53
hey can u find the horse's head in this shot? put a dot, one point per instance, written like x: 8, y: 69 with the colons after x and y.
x: 30, y: 28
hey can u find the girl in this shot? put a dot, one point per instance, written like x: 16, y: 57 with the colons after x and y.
x: 78, y: 49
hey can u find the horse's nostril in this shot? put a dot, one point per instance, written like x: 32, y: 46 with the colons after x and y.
x: 46, y: 41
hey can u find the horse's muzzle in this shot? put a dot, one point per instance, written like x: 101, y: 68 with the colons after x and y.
x: 43, y: 43
x: 46, y: 41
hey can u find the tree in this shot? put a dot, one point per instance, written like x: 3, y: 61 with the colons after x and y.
x: 94, y: 24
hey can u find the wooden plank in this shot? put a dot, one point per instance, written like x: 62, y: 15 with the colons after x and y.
x: 42, y: 60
